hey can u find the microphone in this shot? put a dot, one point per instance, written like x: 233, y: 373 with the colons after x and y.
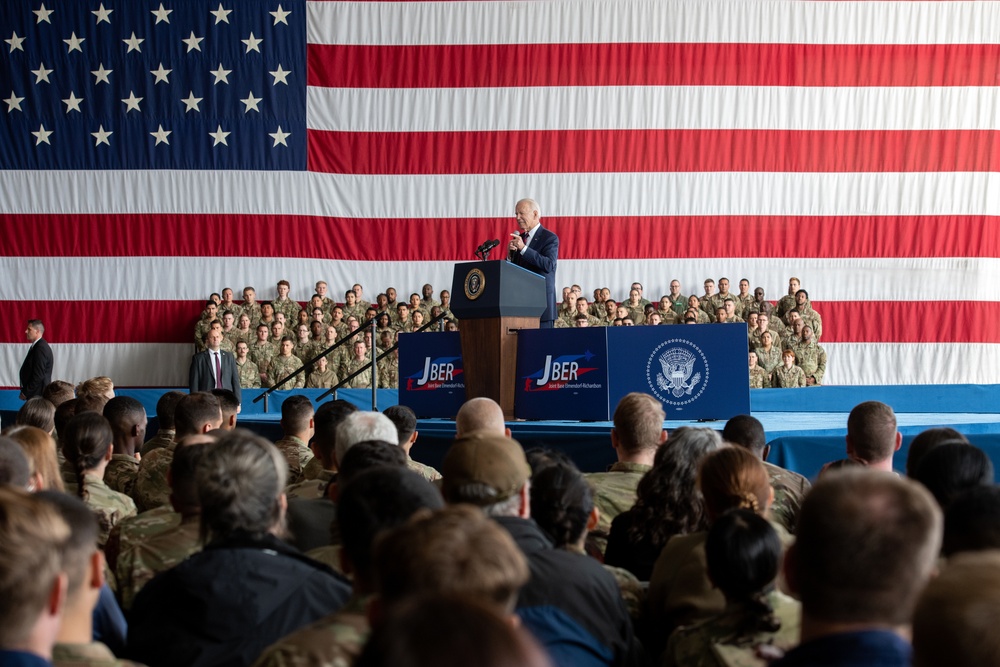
x: 489, y: 245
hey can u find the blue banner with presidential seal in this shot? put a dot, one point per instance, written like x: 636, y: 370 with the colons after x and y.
x: 431, y: 381
x: 698, y: 371
x: 562, y: 374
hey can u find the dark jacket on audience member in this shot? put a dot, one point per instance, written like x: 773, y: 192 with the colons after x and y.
x: 225, y: 605
x: 571, y: 604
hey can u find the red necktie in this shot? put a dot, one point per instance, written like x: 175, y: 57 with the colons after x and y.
x: 218, y: 371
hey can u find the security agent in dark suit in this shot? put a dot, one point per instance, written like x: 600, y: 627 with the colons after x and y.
x: 536, y: 249
x: 202, y: 376
x: 36, y: 370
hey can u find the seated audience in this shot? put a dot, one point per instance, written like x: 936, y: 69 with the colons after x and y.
x: 127, y: 419
x: 927, y: 440
x: 972, y: 521
x: 40, y: 449
x: 872, y: 438
x: 952, y: 468
x: 165, y: 432
x: 406, y: 429
x: 215, y: 608
x: 38, y: 412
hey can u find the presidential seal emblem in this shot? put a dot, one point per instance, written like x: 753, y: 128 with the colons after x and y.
x: 677, y: 372
x: 475, y: 281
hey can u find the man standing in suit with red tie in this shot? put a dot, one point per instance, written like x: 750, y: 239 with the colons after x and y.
x: 536, y: 249
x: 214, y: 368
x: 36, y: 370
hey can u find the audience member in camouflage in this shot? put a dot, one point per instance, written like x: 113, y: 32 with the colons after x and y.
x: 165, y: 421
x: 283, y: 304
x: 121, y: 472
x: 110, y: 506
x: 788, y: 374
x: 335, y: 641
x: 768, y: 354
x: 284, y: 364
x: 359, y: 361
x: 297, y: 427
x: 810, y: 357
x: 127, y: 418
x: 157, y: 553
x: 388, y: 370
x: 250, y: 306
x: 787, y: 302
x: 135, y: 529
x: 804, y: 307
x: 638, y: 432
x: 759, y: 379
x: 249, y: 373
x: 322, y: 377
x: 789, y: 487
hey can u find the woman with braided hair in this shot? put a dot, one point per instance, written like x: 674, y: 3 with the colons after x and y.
x: 87, y: 445
x: 680, y: 591
x: 743, y: 553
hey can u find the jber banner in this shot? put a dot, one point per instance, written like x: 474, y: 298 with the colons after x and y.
x: 562, y: 374
x: 431, y: 381
x: 696, y: 371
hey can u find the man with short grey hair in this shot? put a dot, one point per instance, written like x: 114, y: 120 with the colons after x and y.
x: 216, y: 607
x: 362, y: 427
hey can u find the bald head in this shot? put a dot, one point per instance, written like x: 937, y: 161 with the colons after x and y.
x: 480, y: 414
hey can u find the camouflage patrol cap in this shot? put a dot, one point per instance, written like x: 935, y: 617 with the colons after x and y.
x: 483, y: 458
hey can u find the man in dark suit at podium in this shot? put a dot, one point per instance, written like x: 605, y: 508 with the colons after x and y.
x: 536, y: 249
x: 36, y: 371
x: 214, y: 368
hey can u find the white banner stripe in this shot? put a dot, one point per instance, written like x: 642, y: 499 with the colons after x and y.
x: 562, y: 22
x: 492, y: 195
x: 194, y: 278
x: 127, y: 364
x: 166, y: 365
x: 911, y: 363
x: 652, y: 108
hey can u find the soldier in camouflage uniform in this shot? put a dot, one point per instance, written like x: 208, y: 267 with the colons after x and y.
x: 262, y: 351
x: 127, y: 418
x: 388, y: 370
x: 303, y: 344
x: 759, y: 379
x: 284, y: 364
x: 804, y: 307
x: 810, y: 357
x: 427, y: 296
x: 283, y: 304
x: 326, y: 303
x: 768, y: 354
x: 250, y: 307
x: 405, y: 421
x: 417, y: 305
x: 297, y: 427
x: 638, y: 432
x: 730, y: 307
x: 243, y: 331
x: 787, y: 302
x: 794, y: 336
x: 583, y: 308
x: 202, y: 326
x: 165, y: 407
x: 322, y: 377
x: 351, y: 306
x: 402, y: 321
x: 249, y: 373
x: 788, y: 374
x: 567, y: 307
x: 694, y: 303
x: 359, y: 361
x: 109, y: 506
x: 338, y: 322
x: 167, y: 537
x: 135, y: 529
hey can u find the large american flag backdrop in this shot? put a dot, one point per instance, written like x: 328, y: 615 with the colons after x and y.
x: 154, y: 152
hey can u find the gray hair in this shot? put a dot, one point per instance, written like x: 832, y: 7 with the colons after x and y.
x: 361, y: 426
x: 532, y: 203
x: 480, y: 414
x: 240, y: 483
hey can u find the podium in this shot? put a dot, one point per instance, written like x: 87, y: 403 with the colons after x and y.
x: 494, y: 300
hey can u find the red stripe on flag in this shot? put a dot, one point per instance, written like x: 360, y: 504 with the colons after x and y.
x: 653, y: 64
x: 104, y: 321
x: 621, y: 151
x: 173, y: 321
x: 581, y: 237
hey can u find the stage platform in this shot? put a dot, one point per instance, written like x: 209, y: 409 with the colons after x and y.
x: 805, y: 427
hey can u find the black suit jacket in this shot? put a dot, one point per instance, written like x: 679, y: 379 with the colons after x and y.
x: 540, y: 256
x: 36, y: 371
x: 201, y: 378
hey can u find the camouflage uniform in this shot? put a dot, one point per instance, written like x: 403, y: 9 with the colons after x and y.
x: 678, y: 304
x: 109, y: 506
x: 425, y: 471
x: 94, y: 654
x: 297, y: 454
x: 811, y: 358
x: 705, y: 318
x: 120, y: 473
x: 632, y: 590
x: 238, y: 336
x: 227, y: 345
x: 790, y: 340
x: 768, y: 360
x: 147, y: 558
x: 744, y: 304
x: 325, y: 380
x: 357, y: 312
x: 261, y: 355
x: 789, y: 490
x: 201, y: 327
x: 720, y: 641
x: 304, y: 351
x: 313, y: 469
x: 163, y: 438
x: 288, y: 307
x: 785, y: 304
x: 129, y: 532
x: 614, y: 493
x: 151, y: 488
x: 253, y: 312
x: 249, y: 374
x: 788, y: 377
x: 334, y: 641
x: 281, y: 367
x: 813, y: 320
x: 388, y: 372
x: 637, y: 313
x: 311, y: 489
x: 759, y: 379
x: 362, y: 380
